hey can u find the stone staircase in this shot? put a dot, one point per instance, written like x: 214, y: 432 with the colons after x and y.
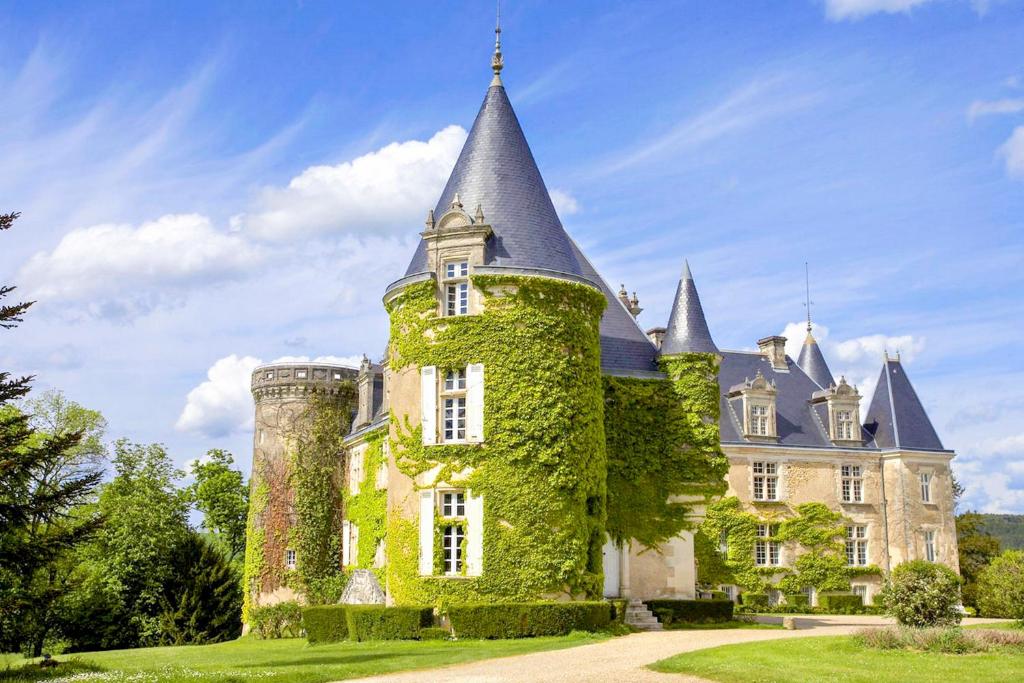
x: 638, y: 616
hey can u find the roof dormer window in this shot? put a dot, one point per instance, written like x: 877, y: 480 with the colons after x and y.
x: 842, y: 403
x: 757, y: 406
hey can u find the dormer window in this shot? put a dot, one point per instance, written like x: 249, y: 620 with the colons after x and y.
x: 842, y: 403
x: 756, y: 400
x: 456, y: 288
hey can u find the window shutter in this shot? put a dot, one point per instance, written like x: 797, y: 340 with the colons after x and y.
x: 346, y: 543
x: 428, y: 404
x: 355, y: 545
x: 475, y: 402
x: 426, y: 532
x: 475, y: 534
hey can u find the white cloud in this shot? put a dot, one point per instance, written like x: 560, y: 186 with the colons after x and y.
x: 222, y: 404
x: 121, y: 269
x: 839, y: 10
x: 1012, y: 152
x: 385, y: 191
x: 565, y: 203
x: 980, y: 108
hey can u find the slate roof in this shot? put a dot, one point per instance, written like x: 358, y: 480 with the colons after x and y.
x: 624, y: 346
x: 797, y: 423
x: 496, y: 169
x: 687, y: 330
x: 813, y: 363
x: 896, y: 417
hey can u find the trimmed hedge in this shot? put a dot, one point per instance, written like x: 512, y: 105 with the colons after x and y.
x: 526, y: 620
x: 619, y: 606
x: 332, y: 623
x: 434, y: 633
x: 372, y: 622
x: 326, y: 624
x: 797, y: 600
x: 691, y: 611
x: 280, y: 620
x: 840, y: 603
x: 754, y: 600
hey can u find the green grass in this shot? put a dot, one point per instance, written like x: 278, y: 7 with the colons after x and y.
x: 999, y: 625
x: 839, y: 659
x: 292, y: 660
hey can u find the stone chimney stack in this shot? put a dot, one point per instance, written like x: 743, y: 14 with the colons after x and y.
x: 775, y: 348
x: 632, y: 304
x: 657, y: 336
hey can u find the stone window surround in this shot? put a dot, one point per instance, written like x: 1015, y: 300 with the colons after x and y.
x: 853, y: 488
x: 455, y: 258
x: 779, y: 478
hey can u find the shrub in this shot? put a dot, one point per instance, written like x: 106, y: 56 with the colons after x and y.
x: 922, y: 594
x: 325, y: 624
x: 797, y: 600
x: 754, y: 601
x: 525, y: 620
x: 945, y: 640
x: 1000, y: 587
x: 373, y: 622
x: 718, y: 595
x: 281, y: 620
x: 434, y: 633
x: 691, y: 611
x: 619, y: 610
x: 840, y: 603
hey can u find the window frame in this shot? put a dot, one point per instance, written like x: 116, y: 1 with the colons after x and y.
x: 765, y: 476
x: 767, y: 552
x: 455, y: 287
x: 856, y: 545
x: 851, y: 484
x: 930, y: 546
x: 454, y: 397
x: 291, y: 559
x: 925, y: 480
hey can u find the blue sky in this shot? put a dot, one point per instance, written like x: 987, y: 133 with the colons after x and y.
x: 207, y: 185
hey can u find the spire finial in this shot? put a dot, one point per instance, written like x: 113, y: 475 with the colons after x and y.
x: 497, y: 61
x: 807, y: 284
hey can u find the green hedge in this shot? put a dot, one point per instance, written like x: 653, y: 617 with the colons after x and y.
x: 754, y: 600
x: 526, y: 620
x: 619, y: 606
x: 371, y: 622
x: 434, y: 633
x: 719, y: 595
x: 365, y: 622
x: 325, y: 624
x: 797, y: 600
x: 691, y: 611
x: 840, y: 603
x: 281, y: 620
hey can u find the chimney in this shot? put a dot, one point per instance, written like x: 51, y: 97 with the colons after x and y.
x: 632, y: 304
x: 775, y: 348
x: 657, y: 336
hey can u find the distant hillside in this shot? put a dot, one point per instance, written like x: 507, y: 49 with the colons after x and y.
x: 1009, y: 529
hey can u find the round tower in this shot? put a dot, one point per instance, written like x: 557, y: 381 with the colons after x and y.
x: 302, y: 412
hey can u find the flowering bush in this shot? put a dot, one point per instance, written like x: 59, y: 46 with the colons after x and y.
x: 923, y: 594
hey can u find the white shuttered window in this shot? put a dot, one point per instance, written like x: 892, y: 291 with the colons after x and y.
x: 428, y: 403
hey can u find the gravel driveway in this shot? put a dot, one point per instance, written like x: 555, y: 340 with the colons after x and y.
x: 623, y: 659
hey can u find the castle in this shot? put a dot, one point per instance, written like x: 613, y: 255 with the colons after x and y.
x: 523, y: 438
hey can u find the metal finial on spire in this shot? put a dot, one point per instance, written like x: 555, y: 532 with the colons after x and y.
x: 807, y: 284
x: 497, y: 61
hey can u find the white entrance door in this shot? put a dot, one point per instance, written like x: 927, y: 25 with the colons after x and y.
x: 611, y: 563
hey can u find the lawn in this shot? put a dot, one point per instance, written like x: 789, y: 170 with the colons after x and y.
x: 838, y: 659
x: 291, y: 660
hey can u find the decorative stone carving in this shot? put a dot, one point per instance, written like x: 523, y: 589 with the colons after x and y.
x: 362, y: 589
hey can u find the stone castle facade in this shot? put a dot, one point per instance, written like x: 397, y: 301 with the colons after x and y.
x: 523, y: 438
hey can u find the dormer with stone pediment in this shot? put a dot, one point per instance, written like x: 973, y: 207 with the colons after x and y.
x: 456, y: 245
x: 756, y: 404
x: 843, y: 409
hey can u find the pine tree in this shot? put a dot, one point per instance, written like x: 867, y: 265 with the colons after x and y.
x: 36, y: 524
x: 203, y: 603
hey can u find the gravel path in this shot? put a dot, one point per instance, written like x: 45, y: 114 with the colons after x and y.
x: 623, y: 659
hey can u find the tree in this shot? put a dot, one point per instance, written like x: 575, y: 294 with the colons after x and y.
x: 923, y: 594
x: 220, y: 493
x: 146, y: 515
x: 977, y: 549
x: 1000, y: 587
x: 203, y: 601
x: 36, y: 521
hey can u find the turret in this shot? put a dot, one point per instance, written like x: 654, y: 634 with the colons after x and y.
x: 687, y: 330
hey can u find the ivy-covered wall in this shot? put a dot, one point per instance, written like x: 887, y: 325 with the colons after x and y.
x: 662, y: 443
x: 810, y: 532
x: 368, y: 508
x: 541, y: 469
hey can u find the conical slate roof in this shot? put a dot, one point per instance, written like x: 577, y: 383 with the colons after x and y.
x: 687, y: 330
x: 496, y: 170
x: 896, y: 418
x: 813, y: 363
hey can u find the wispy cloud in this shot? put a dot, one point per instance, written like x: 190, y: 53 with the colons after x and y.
x: 754, y: 102
x: 851, y: 10
x: 1012, y: 152
x: 981, y: 108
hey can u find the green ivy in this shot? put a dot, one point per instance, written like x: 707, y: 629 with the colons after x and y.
x: 315, y: 479
x: 662, y: 442
x: 255, y: 537
x: 542, y: 470
x: 368, y: 508
x: 815, y: 532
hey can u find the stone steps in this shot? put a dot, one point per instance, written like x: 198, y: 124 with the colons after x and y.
x: 638, y: 616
